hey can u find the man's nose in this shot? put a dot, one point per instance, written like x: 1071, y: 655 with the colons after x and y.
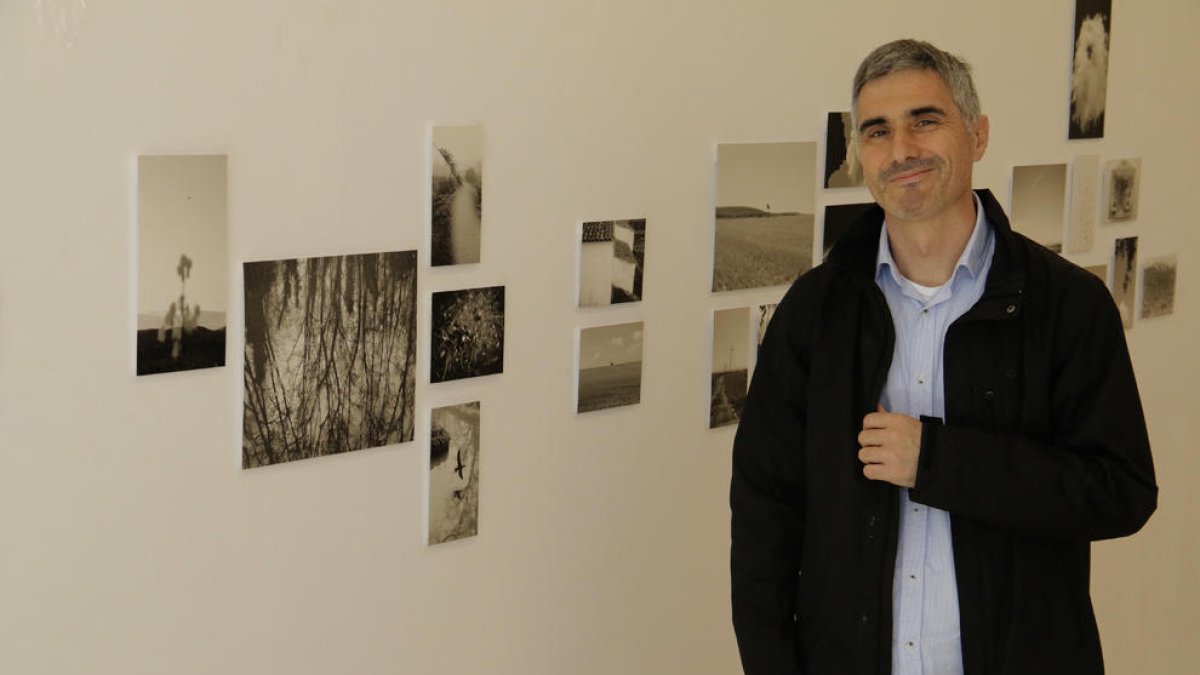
x: 904, y: 146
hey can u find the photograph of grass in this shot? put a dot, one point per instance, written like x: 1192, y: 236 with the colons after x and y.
x: 1081, y: 216
x: 453, y: 472
x: 610, y: 366
x: 612, y: 259
x: 1038, y: 194
x: 1089, y: 68
x: 763, y: 234
x: 183, y: 263
x: 1124, y: 277
x: 730, y: 366
x: 841, y: 169
x: 330, y: 356
x: 1158, y: 286
x: 1121, y: 178
x: 467, y: 334
x: 456, y: 208
x: 838, y: 219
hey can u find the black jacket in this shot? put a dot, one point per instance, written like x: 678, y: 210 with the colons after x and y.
x: 1043, y: 450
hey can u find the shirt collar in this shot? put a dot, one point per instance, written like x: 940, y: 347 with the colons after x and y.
x: 973, y: 257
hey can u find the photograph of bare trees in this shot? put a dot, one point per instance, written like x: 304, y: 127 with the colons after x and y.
x: 330, y: 356
x: 467, y: 334
x: 456, y: 210
x: 454, y: 472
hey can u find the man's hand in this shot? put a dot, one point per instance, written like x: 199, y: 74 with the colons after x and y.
x: 891, y: 444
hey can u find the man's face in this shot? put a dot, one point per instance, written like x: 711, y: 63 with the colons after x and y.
x: 915, y: 147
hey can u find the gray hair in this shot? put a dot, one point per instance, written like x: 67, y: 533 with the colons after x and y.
x: 903, y: 55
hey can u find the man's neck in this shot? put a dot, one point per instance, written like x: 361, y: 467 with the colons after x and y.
x: 926, y: 251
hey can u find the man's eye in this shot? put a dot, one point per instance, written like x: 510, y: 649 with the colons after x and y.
x: 876, y: 133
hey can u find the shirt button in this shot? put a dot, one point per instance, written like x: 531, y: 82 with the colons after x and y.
x: 912, y: 577
x: 908, y: 644
x: 1010, y: 309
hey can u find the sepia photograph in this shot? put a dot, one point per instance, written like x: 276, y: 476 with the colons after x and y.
x: 841, y: 169
x: 612, y: 259
x: 1158, y: 286
x: 1121, y: 178
x: 330, y: 359
x: 765, y: 314
x: 183, y: 265
x: 453, y: 472
x: 456, y: 207
x: 1124, y: 277
x: 838, y: 218
x: 467, y: 334
x: 730, y: 366
x: 1089, y: 68
x: 1100, y: 270
x: 1082, y: 215
x: 766, y: 194
x: 1038, y: 195
x: 610, y: 366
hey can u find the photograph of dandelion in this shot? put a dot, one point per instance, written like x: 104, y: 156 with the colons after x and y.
x: 468, y: 334
x: 1089, y: 68
x: 330, y: 357
x: 182, y: 262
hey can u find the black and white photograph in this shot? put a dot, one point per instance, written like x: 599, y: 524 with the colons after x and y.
x: 1100, y: 270
x: 1089, y: 68
x: 841, y: 167
x: 467, y: 334
x: 838, y: 218
x: 183, y: 263
x: 453, y: 472
x: 730, y: 366
x: 330, y: 361
x: 765, y: 314
x: 612, y: 258
x: 1085, y: 195
x: 456, y: 207
x: 610, y: 366
x: 1158, y: 286
x: 1038, y: 195
x: 1121, y: 179
x: 766, y: 194
x: 1124, y: 277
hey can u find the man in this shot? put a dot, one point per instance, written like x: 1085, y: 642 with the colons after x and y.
x: 943, y: 416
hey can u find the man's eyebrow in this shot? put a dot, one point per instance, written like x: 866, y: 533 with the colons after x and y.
x: 926, y: 110
x: 870, y: 123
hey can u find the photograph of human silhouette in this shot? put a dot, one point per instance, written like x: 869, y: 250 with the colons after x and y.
x: 1089, y: 70
x: 453, y: 472
x: 456, y: 209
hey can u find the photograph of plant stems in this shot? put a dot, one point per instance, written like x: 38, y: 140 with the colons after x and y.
x: 330, y: 355
x: 468, y: 334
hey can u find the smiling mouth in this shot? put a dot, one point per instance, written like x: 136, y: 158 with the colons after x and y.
x: 910, y: 176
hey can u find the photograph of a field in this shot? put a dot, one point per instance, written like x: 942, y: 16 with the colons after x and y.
x: 1158, y: 286
x: 1082, y: 214
x: 841, y: 169
x: 183, y: 263
x: 330, y: 356
x: 456, y: 207
x: 763, y: 232
x: 453, y: 472
x: 730, y: 366
x: 1038, y: 194
x: 610, y: 366
x: 1124, y: 277
x: 612, y: 262
x: 467, y: 334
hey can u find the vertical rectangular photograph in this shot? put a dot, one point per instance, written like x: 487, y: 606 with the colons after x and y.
x: 841, y: 167
x: 1089, y: 68
x: 1121, y: 186
x: 838, y: 218
x: 765, y: 314
x: 763, y: 234
x: 1124, y: 277
x: 610, y: 366
x: 456, y: 206
x: 1082, y: 215
x: 1158, y: 286
x: 330, y: 361
x: 612, y: 261
x: 467, y: 334
x: 453, y: 472
x: 183, y: 264
x: 730, y: 366
x: 1038, y: 195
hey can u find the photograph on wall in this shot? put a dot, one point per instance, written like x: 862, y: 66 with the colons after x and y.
x: 730, y: 366
x: 1089, y: 69
x: 1081, y: 216
x: 765, y: 314
x: 1100, y: 270
x: 612, y: 259
x: 1121, y: 179
x: 838, y: 219
x: 183, y: 264
x: 610, y: 366
x: 1038, y: 193
x: 456, y: 207
x: 453, y: 472
x: 1124, y: 277
x: 330, y: 361
x: 1158, y: 286
x: 841, y: 169
x: 765, y: 200
x: 467, y: 334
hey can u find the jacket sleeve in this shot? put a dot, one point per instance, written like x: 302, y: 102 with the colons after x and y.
x: 1092, y: 478
x: 767, y: 503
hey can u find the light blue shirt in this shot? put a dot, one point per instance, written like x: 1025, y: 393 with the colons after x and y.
x: 925, y: 619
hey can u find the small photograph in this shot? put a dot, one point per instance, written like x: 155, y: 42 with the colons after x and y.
x: 1121, y: 178
x: 453, y: 472
x: 765, y: 314
x: 766, y: 194
x: 1089, y: 71
x: 467, y: 334
x: 330, y: 362
x: 1158, y: 287
x: 183, y: 266
x: 611, y: 261
x: 610, y: 366
x: 1081, y: 218
x: 1124, y: 277
x: 456, y: 208
x: 1101, y: 271
x: 838, y: 219
x: 841, y: 169
x: 1038, y: 193
x: 730, y: 366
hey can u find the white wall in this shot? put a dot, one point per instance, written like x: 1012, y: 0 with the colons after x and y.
x: 132, y: 542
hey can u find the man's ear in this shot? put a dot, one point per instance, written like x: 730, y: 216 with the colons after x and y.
x: 980, y: 134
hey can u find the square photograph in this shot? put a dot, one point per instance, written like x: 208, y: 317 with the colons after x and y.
x: 1038, y: 195
x: 730, y: 366
x: 1089, y: 68
x: 453, y: 472
x: 456, y: 207
x: 467, y: 334
x: 612, y: 259
x: 1121, y: 178
x: 1158, y: 286
x: 1124, y: 277
x: 610, y: 366
x: 841, y: 167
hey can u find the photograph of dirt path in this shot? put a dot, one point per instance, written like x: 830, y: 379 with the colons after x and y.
x: 456, y: 208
